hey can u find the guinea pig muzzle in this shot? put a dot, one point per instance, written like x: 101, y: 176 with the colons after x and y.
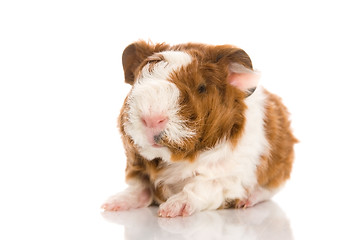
x: 157, y: 140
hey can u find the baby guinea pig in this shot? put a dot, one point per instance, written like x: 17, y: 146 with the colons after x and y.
x: 198, y: 131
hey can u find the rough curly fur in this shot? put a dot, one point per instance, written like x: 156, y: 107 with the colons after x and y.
x: 236, y: 145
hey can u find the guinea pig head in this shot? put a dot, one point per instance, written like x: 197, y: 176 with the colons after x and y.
x: 186, y: 98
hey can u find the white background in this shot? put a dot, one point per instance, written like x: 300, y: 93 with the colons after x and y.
x: 61, y: 88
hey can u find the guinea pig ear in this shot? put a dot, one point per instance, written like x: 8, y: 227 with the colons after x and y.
x: 135, y: 54
x: 243, y: 78
x: 240, y: 70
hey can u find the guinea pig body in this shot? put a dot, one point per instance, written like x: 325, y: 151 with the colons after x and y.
x: 198, y: 131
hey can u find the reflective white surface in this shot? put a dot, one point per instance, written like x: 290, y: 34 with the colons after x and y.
x: 264, y: 221
x: 61, y: 89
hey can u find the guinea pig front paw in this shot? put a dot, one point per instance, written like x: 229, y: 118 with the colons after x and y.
x: 115, y: 206
x: 129, y: 199
x: 176, y: 207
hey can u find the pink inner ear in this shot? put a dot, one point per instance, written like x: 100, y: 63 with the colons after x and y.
x: 243, y: 81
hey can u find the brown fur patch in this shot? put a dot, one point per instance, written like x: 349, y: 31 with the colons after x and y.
x: 276, y: 166
x: 134, y: 55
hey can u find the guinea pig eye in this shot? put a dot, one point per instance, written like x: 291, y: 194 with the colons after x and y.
x: 202, y: 88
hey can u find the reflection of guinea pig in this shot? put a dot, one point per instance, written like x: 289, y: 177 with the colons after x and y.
x: 198, y: 131
x: 264, y: 221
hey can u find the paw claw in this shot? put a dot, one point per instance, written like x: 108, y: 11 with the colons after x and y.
x: 243, y: 204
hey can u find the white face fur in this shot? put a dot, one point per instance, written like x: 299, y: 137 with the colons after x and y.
x: 154, y: 94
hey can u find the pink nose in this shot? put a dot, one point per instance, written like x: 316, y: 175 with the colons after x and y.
x: 155, y: 121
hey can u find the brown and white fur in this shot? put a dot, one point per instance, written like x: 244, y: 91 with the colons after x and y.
x: 198, y: 131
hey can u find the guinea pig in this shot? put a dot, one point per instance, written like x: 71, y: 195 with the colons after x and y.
x: 199, y: 132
